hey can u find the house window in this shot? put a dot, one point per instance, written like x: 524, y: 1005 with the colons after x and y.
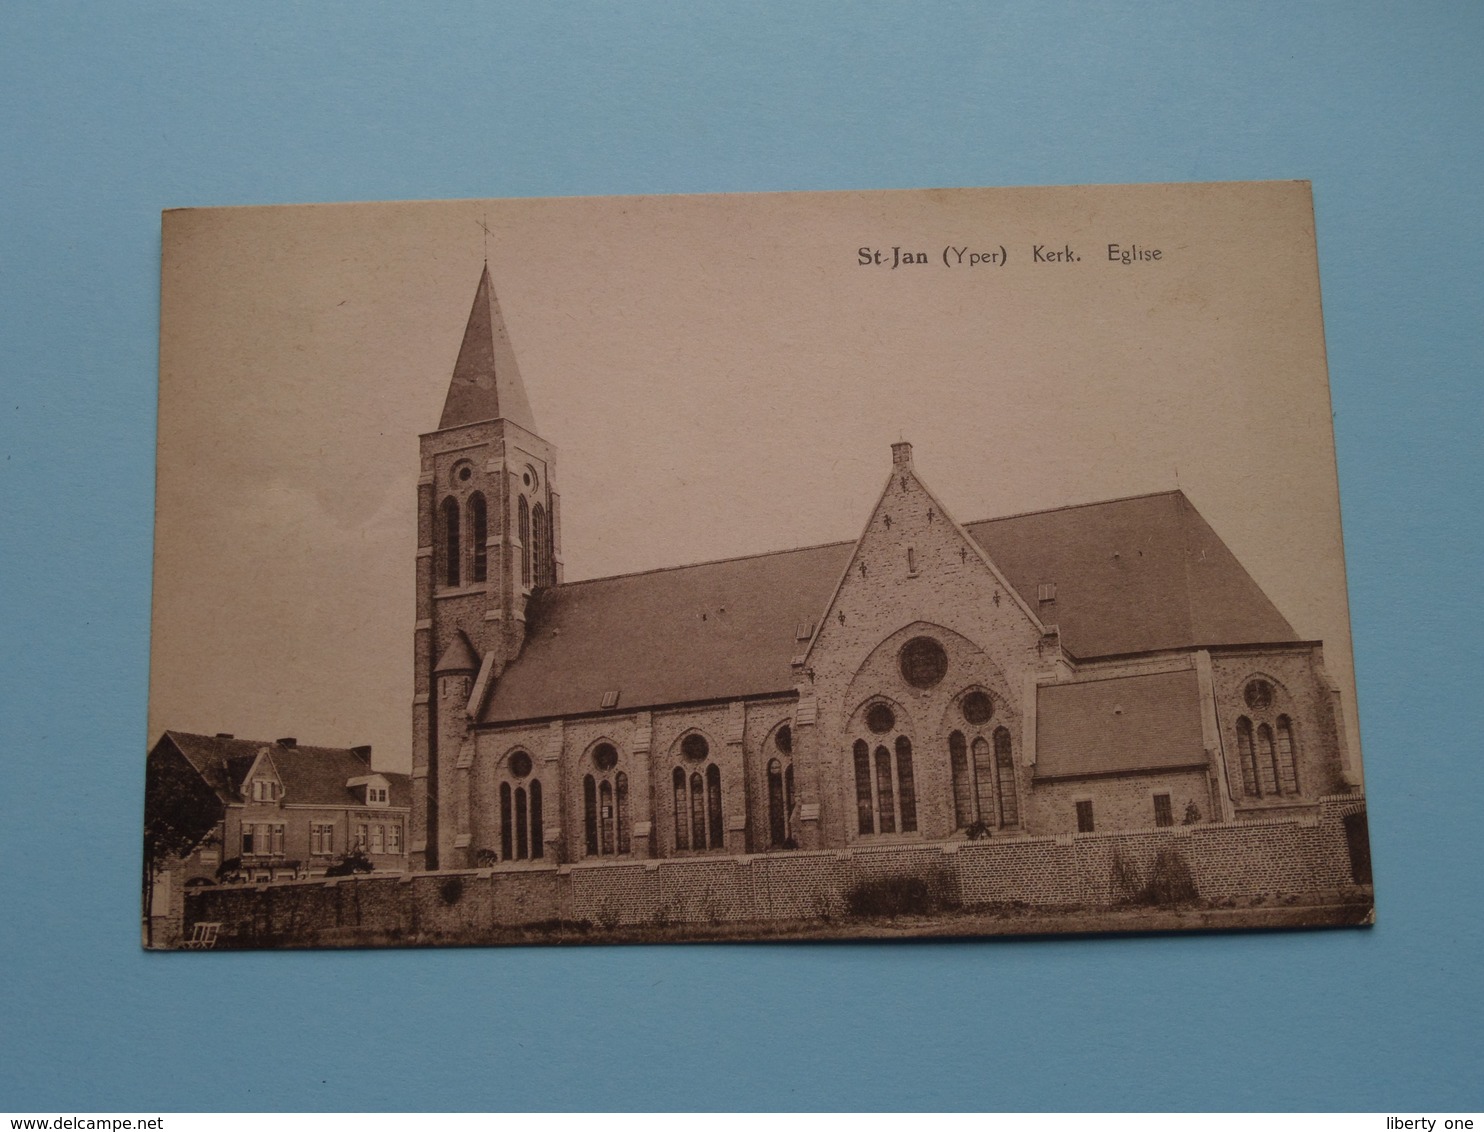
x: 698, y: 812
x: 321, y: 839
x: 479, y: 534
x: 780, y: 803
x: 452, y: 547
x: 521, y: 821
x: 376, y: 794
x: 378, y: 839
x: 263, y: 839
x: 1162, y: 812
x: 523, y: 525
x: 363, y: 836
x: 265, y: 790
x: 394, y: 838
x: 1084, y: 817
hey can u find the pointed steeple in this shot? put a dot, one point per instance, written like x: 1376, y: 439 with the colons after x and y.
x: 486, y: 382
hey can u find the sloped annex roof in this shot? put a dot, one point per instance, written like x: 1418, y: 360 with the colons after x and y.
x: 315, y: 776
x: 1131, y: 575
x: 1126, y: 723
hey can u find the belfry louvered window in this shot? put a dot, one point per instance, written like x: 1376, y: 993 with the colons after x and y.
x: 478, y: 535
x: 452, y: 547
x: 523, y: 526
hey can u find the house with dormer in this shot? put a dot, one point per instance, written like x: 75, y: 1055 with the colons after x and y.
x: 1106, y: 667
x: 277, y: 809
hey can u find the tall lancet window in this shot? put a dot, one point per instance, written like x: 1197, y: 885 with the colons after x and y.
x: 523, y: 525
x: 478, y: 534
x: 452, y: 546
x: 539, y: 548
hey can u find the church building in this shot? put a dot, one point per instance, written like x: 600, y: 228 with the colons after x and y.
x: 1106, y: 667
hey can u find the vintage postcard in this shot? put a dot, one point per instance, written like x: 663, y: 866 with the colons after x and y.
x: 777, y: 566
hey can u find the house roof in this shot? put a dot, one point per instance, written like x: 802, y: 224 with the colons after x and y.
x: 1121, y: 724
x: 315, y: 776
x: 486, y: 381
x: 1131, y: 575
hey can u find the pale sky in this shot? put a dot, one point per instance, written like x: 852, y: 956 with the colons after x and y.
x: 720, y: 376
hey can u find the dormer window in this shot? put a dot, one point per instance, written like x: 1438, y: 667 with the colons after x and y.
x: 265, y: 790
x: 376, y: 795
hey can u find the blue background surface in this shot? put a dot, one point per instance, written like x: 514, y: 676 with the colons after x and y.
x: 109, y: 113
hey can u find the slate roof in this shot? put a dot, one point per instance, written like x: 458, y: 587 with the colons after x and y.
x: 310, y: 775
x: 1118, y: 725
x: 486, y: 381
x: 1131, y: 575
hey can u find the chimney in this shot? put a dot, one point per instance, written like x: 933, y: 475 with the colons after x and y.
x: 289, y: 742
x: 901, y: 456
x: 362, y: 753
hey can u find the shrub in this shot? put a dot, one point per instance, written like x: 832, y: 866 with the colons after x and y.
x: 484, y: 858
x: 1192, y: 814
x: 899, y: 896
x: 1170, y: 881
x: 355, y: 861
x: 451, y: 889
x: 1124, y: 881
x: 978, y: 831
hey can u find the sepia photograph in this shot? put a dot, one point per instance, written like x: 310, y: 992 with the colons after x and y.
x: 774, y: 566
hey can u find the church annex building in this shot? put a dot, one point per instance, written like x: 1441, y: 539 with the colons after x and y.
x: 1100, y: 669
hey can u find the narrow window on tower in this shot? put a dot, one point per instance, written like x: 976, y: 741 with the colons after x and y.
x: 523, y: 525
x: 539, y: 547
x: 478, y: 533
x: 452, y: 547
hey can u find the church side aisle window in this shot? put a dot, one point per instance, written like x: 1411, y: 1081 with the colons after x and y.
x: 1266, y: 749
x: 697, y: 797
x: 781, y: 791
x: 605, y: 805
x: 452, y: 547
x: 520, y: 812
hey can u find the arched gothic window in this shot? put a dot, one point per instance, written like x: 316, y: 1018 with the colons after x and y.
x: 452, y: 546
x: 540, y: 549
x: 1005, y: 765
x: 885, y: 786
x: 605, y: 805
x: 523, y: 525
x: 478, y: 534
x: 1267, y: 748
x: 983, y: 771
x: 698, y: 809
x: 521, y: 837
x: 781, y: 790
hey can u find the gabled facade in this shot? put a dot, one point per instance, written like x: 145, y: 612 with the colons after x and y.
x: 278, y: 809
x: 1099, y: 668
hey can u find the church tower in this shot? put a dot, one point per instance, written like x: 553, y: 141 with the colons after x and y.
x: 487, y: 537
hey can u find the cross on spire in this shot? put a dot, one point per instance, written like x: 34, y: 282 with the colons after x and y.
x: 485, y: 228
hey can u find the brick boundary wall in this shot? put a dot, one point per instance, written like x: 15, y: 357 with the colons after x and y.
x: 1240, y: 860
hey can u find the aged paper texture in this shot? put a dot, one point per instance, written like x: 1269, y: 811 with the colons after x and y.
x: 761, y: 566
